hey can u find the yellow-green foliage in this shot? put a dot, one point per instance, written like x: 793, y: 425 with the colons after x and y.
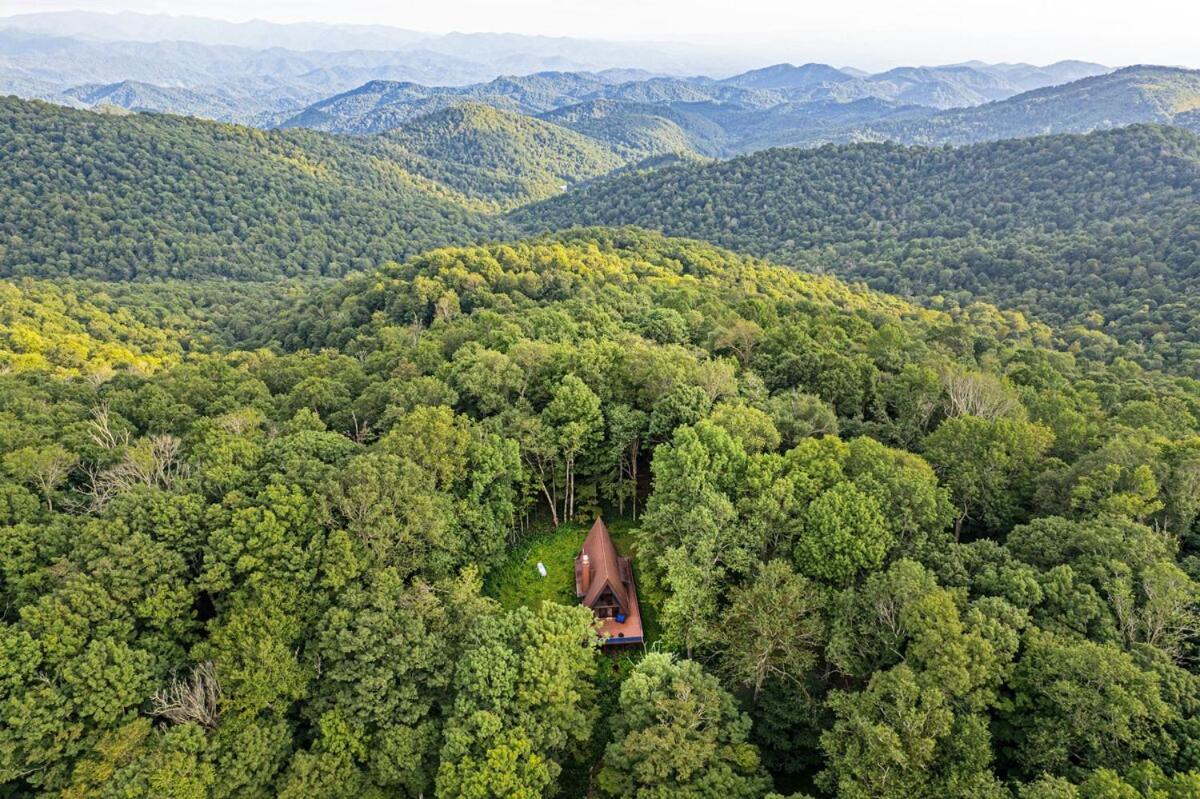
x: 498, y: 158
x: 50, y: 329
x: 1086, y: 233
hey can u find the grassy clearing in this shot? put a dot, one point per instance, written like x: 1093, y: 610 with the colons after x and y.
x: 516, y: 582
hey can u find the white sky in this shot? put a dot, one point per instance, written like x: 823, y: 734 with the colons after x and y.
x: 869, y: 33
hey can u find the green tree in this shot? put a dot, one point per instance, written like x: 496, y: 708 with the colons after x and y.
x: 678, y: 733
x: 989, y: 466
x: 843, y: 533
x: 773, y: 630
x: 523, y: 697
x: 45, y: 468
x: 573, y: 415
x: 1079, y: 705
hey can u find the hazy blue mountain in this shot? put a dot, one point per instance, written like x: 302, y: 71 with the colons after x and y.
x: 218, y: 70
x: 383, y: 105
x: 619, y: 75
x: 380, y: 105
x: 183, y: 63
x: 788, y: 77
x: 500, y: 53
x: 1189, y: 120
x: 138, y: 96
x: 68, y: 61
x: 937, y: 87
x: 134, y: 27
x: 1027, y: 77
x: 38, y: 66
x: 364, y: 91
x: 788, y: 106
x: 257, y: 86
x: 693, y: 90
x: 1128, y: 96
x: 942, y: 87
x: 18, y: 82
x: 806, y: 124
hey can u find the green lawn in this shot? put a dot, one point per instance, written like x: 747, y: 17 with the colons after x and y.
x: 516, y: 581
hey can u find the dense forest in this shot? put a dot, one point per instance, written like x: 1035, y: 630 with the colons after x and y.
x: 146, y: 196
x: 640, y: 130
x: 499, y: 156
x: 299, y: 439
x: 1093, y: 234
x: 890, y: 551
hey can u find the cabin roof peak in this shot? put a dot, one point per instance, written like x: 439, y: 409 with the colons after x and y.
x: 605, y: 566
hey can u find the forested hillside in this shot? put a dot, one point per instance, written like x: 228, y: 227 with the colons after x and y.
x: 1128, y: 96
x: 892, y: 552
x: 50, y: 329
x: 1091, y: 233
x: 138, y: 196
x: 638, y: 130
x: 499, y: 156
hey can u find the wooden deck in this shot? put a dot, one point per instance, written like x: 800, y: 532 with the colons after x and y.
x: 629, y: 631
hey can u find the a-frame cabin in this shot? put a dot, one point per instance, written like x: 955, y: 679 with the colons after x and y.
x: 604, y: 583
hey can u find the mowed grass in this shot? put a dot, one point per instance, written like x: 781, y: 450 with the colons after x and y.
x: 516, y: 581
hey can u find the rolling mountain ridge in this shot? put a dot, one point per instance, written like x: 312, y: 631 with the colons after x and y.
x: 1099, y: 230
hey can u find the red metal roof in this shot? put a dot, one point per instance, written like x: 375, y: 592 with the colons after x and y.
x: 607, y: 569
x: 605, y: 566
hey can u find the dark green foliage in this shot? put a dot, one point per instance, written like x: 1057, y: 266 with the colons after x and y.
x: 678, y: 733
x: 262, y: 573
x: 141, y: 196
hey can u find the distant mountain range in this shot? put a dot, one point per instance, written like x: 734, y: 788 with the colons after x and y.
x: 340, y: 77
x: 224, y: 82
x: 379, y: 105
x: 780, y: 105
x: 1132, y: 95
x: 56, y: 51
x: 474, y: 112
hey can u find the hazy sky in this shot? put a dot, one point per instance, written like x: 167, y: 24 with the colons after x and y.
x: 863, y: 32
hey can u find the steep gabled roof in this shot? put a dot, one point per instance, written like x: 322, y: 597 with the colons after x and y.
x: 605, y: 565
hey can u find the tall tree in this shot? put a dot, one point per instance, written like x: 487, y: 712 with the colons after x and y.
x: 678, y: 733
